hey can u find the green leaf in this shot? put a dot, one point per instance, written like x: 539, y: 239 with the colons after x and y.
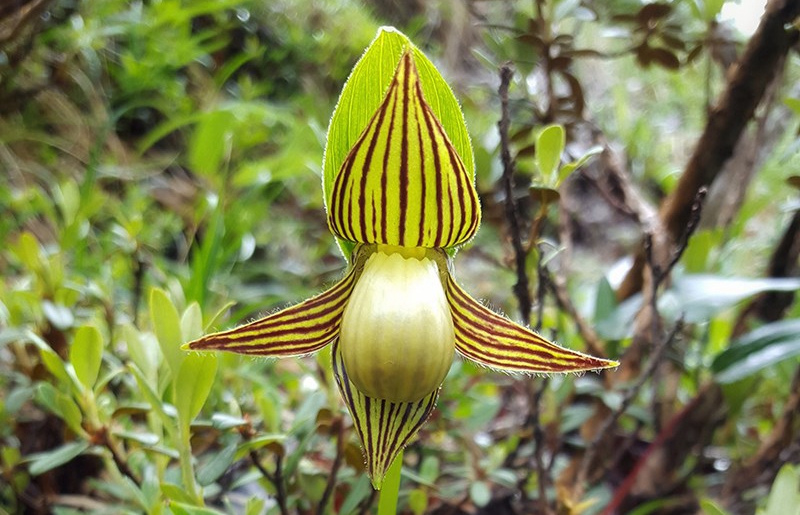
x: 701, y: 296
x: 480, y: 493
x: 709, y: 507
x: 50, y: 359
x: 193, y: 384
x: 417, y: 501
x: 167, y: 325
x: 216, y: 466
x: 363, y: 93
x: 549, y: 147
x: 793, y: 104
x: 210, y: 142
x: 86, y: 354
x: 42, y: 462
x: 758, y: 349
x: 784, y: 496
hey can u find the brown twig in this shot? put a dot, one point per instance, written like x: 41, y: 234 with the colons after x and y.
x: 753, y: 73
x: 338, y: 427
x: 627, y: 399
x: 522, y: 287
x: 658, y: 274
x: 276, y: 479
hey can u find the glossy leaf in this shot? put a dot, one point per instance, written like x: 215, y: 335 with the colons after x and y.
x: 549, y: 146
x: 757, y: 350
x: 403, y: 183
x: 363, y: 94
x: 167, y: 325
x: 496, y: 342
x: 300, y: 329
x: 193, y: 384
x: 85, y: 354
x: 384, y: 427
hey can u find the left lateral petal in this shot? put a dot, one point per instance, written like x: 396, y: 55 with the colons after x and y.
x: 300, y: 329
x: 494, y: 341
x: 384, y: 427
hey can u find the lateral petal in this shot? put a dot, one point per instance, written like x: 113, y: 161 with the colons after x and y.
x: 384, y: 427
x: 494, y: 341
x: 297, y: 330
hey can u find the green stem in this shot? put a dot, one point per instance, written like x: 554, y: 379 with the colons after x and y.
x: 185, y: 457
x: 390, y: 490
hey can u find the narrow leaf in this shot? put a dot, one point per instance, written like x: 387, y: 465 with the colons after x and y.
x: 384, y: 427
x: 301, y: 329
x: 494, y: 341
x: 42, y: 462
x: 167, y: 325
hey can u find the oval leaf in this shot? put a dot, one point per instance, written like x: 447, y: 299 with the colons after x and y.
x: 86, y: 354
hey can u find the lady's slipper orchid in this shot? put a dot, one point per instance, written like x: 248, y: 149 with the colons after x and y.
x: 398, y: 200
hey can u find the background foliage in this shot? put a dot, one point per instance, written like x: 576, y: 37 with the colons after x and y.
x: 160, y: 168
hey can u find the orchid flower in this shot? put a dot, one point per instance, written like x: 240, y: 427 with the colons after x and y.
x: 400, y: 196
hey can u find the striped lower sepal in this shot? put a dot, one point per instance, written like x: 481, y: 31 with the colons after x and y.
x: 403, y: 182
x: 384, y: 427
x: 496, y: 342
x: 297, y: 330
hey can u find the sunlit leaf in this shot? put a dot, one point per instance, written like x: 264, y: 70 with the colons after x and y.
x: 85, y: 354
x: 167, y: 325
x: 549, y: 146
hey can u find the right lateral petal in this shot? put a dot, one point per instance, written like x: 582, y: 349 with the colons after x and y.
x: 496, y: 342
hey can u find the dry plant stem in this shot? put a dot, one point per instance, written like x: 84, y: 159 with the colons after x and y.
x: 338, y: 426
x: 522, y: 287
x: 752, y: 74
x: 276, y: 479
x: 658, y: 274
x: 630, y: 395
x: 590, y: 338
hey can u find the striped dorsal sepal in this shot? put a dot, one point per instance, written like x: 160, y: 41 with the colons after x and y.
x: 496, y: 342
x: 295, y: 331
x: 384, y: 427
x: 403, y: 183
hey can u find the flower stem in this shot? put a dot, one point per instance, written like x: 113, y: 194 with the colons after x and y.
x: 387, y: 503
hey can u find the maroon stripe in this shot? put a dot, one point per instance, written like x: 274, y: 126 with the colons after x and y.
x: 437, y: 166
x: 403, y: 175
x: 362, y: 200
x: 385, y: 167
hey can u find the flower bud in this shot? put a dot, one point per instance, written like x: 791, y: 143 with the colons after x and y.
x: 396, y: 334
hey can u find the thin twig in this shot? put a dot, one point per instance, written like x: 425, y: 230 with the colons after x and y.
x: 522, y: 287
x: 658, y: 274
x: 276, y: 479
x: 338, y: 427
x: 627, y: 399
x: 367, y: 503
